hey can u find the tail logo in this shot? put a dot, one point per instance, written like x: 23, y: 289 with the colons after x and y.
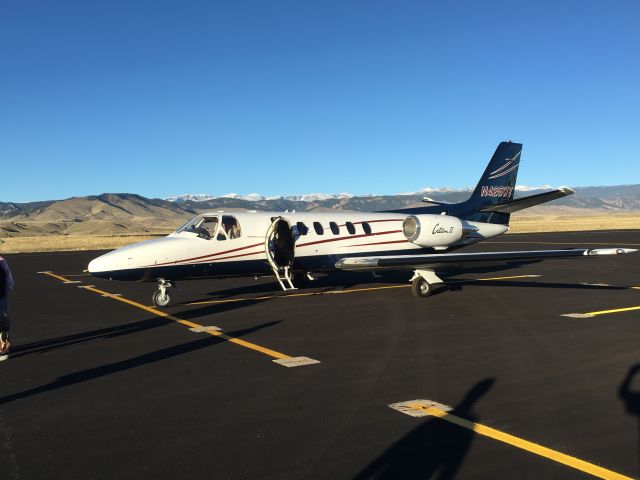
x: 503, y: 170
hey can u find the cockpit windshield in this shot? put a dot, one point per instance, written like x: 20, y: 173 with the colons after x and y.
x: 204, y: 227
x: 211, y: 227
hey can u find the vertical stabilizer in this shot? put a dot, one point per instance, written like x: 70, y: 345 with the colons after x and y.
x: 497, y: 184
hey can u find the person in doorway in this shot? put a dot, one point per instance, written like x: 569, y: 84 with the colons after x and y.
x: 6, y: 287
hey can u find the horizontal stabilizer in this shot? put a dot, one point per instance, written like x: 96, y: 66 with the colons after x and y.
x: 527, y: 202
x: 442, y: 260
x: 434, y: 202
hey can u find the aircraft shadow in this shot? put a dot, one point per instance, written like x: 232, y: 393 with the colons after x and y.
x: 435, y: 449
x: 116, y: 367
x: 341, y: 279
x: 631, y: 400
x: 213, y: 309
x: 330, y: 281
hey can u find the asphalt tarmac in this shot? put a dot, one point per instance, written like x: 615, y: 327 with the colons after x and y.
x: 107, y: 387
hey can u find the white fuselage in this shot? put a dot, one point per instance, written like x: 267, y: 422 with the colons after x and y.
x: 240, y: 244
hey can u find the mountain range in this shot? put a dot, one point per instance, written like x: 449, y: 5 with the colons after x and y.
x: 125, y: 213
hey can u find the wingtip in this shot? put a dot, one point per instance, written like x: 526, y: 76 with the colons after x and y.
x: 610, y: 251
x: 567, y: 190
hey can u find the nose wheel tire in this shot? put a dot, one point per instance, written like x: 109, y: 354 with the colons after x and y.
x: 420, y: 287
x: 161, y: 299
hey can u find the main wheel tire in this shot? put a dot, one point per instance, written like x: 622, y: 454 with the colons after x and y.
x: 420, y: 287
x: 160, y: 300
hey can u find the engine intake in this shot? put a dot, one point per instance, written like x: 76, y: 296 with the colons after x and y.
x: 432, y: 230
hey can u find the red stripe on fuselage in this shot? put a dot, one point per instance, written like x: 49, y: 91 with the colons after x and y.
x: 205, y: 256
x: 377, y: 221
x: 346, y: 238
x: 212, y: 260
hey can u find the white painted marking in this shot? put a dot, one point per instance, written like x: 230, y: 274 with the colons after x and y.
x: 3, y: 358
x: 205, y: 329
x: 73, y: 281
x: 296, y: 361
x: 595, y: 284
x: 48, y: 271
x: 418, y: 408
x: 577, y: 315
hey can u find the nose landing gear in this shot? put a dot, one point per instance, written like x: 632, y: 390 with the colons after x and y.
x: 162, y: 298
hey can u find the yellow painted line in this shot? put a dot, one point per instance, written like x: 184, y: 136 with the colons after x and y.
x: 160, y: 313
x: 336, y: 292
x: 615, y: 310
x: 522, y: 444
x: 306, y: 294
x: 504, y: 278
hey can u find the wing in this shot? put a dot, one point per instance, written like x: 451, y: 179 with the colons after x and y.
x: 445, y: 260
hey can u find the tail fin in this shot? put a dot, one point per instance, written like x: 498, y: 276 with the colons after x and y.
x: 497, y: 185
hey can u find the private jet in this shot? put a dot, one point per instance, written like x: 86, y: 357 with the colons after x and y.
x: 424, y: 240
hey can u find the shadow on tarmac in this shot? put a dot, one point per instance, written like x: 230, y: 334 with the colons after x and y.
x: 433, y: 450
x: 76, y: 338
x: 345, y: 280
x: 331, y: 281
x: 147, y: 358
x: 51, y: 344
x: 631, y: 399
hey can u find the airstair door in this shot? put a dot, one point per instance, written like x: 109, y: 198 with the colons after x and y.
x: 280, y: 247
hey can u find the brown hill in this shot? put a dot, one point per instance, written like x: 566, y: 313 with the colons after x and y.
x: 109, y: 214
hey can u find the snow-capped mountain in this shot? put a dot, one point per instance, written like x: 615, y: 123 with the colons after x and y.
x: 257, y: 197
x: 524, y: 188
x: 319, y: 197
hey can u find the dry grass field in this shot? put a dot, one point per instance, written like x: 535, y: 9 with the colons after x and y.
x: 573, y: 223
x: 519, y: 224
x: 59, y: 243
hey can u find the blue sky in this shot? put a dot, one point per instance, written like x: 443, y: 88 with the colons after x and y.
x: 282, y: 97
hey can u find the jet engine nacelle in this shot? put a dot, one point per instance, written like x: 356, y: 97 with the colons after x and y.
x: 432, y: 230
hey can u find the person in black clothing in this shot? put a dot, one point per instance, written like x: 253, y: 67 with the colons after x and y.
x: 6, y: 287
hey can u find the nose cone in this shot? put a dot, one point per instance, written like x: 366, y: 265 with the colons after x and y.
x: 108, y: 265
x: 100, y: 264
x: 131, y: 262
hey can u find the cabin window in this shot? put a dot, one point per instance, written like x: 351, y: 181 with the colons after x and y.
x: 335, y: 229
x: 350, y: 228
x: 302, y: 228
x: 318, y: 228
x: 366, y: 228
x: 230, y: 228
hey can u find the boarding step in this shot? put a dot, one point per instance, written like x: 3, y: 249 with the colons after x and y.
x: 283, y: 275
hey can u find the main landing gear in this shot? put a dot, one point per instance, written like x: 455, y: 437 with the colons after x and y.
x: 422, y: 282
x: 162, y: 298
